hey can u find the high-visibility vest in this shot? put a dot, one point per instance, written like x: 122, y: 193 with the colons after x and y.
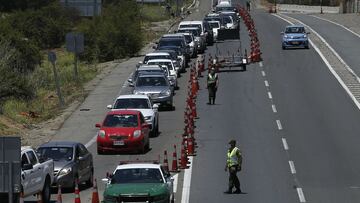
x: 234, y: 157
x: 212, y: 79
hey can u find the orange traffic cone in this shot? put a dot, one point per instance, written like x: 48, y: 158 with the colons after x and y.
x: 190, y: 146
x: 174, y: 166
x: 59, y: 198
x: 166, y: 164
x: 39, y: 197
x: 95, y: 194
x: 21, y: 197
x: 77, y: 192
x: 183, y: 159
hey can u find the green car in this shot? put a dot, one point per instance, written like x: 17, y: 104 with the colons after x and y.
x: 139, y: 182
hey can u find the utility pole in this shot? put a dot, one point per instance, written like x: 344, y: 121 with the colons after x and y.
x: 52, y: 59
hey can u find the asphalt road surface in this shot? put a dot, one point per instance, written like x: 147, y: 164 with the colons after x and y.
x: 295, y: 124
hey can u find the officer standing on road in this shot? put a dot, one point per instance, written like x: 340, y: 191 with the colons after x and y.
x: 248, y: 5
x: 212, y: 85
x: 233, y: 164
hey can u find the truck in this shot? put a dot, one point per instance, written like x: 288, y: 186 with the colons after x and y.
x: 37, y: 174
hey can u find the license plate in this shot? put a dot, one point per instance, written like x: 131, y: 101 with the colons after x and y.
x: 118, y: 142
x: 295, y: 42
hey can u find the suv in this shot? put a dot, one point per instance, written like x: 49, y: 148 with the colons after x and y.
x: 157, y: 87
x: 162, y: 55
x: 203, y: 28
x: 139, y: 182
x: 201, y: 43
x: 181, y: 37
x: 140, y: 103
x: 170, y: 67
x: 145, y: 68
x: 190, y: 40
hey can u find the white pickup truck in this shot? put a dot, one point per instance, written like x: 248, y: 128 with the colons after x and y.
x: 36, y: 175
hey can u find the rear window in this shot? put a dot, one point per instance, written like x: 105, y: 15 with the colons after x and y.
x: 121, y: 120
x: 168, y: 64
x: 151, y: 81
x: 214, y: 24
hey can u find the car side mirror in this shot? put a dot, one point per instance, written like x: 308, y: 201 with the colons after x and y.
x: 109, y: 106
x: 154, y: 47
x: 155, y: 106
x: 281, y: 33
x: 131, y: 84
x: 130, y: 80
x: 27, y: 167
x: 98, y: 125
x: 105, y: 180
x: 141, y: 62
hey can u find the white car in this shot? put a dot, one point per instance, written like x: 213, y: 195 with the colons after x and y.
x: 198, y: 24
x: 161, y: 55
x: 215, y: 26
x: 140, y: 103
x: 172, y: 71
x: 190, y: 40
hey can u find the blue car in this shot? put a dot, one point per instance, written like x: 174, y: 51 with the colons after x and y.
x: 295, y: 36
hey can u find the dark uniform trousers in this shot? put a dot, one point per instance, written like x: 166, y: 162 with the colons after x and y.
x: 233, y: 179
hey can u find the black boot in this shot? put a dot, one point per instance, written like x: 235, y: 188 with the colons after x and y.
x: 237, y: 191
x: 228, y: 192
x: 209, y: 101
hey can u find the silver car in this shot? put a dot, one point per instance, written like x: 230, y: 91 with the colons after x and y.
x: 157, y: 87
x: 72, y: 161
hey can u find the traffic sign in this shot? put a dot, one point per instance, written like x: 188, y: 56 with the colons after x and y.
x: 52, y: 57
x: 74, y: 42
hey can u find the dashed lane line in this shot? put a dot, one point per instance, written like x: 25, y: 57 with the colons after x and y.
x: 300, y: 194
x: 279, y: 124
x: 263, y: 73
x: 274, y: 108
x: 261, y: 64
x: 292, y: 167
x: 266, y: 83
x: 269, y: 95
x: 285, y: 144
x: 92, y: 141
x: 175, y: 177
x: 185, y: 197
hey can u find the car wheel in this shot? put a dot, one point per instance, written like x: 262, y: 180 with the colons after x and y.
x: 46, y: 191
x: 89, y: 182
x: 307, y: 47
x: 283, y: 47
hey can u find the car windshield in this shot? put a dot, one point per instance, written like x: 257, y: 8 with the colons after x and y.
x: 121, y: 120
x: 171, y: 42
x: 137, y: 175
x: 188, y: 38
x: 168, y: 64
x: 195, y: 32
x: 295, y: 30
x: 56, y: 153
x: 132, y: 103
x: 214, y: 24
x: 151, y: 81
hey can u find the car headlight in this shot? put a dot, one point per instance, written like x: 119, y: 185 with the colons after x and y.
x: 166, y: 93
x: 137, y: 133
x: 286, y: 36
x: 64, y: 171
x: 148, y: 117
x: 101, y: 133
x: 305, y: 36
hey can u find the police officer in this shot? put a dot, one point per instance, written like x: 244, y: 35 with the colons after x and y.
x: 248, y: 5
x: 212, y: 85
x: 233, y: 164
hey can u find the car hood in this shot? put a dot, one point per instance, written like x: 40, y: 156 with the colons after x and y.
x: 151, y: 89
x: 295, y: 35
x: 145, y: 112
x: 122, y: 131
x: 136, y: 188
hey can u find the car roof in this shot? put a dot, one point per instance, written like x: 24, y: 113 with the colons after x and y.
x: 138, y: 165
x: 151, y: 67
x: 294, y: 26
x: 189, y: 28
x: 133, y: 96
x: 173, y: 35
x: 60, y: 144
x: 190, y: 22
x: 113, y: 112
x: 147, y: 66
x: 159, y: 60
x: 157, y: 54
x: 152, y: 75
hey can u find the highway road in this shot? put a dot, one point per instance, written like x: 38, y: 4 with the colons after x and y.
x: 296, y: 125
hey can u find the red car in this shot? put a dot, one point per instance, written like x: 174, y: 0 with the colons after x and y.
x: 123, y: 131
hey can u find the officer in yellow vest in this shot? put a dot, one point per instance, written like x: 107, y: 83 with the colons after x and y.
x: 233, y: 164
x: 212, y: 85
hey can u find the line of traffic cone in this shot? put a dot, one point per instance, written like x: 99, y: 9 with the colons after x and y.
x: 174, y: 165
x: 166, y: 163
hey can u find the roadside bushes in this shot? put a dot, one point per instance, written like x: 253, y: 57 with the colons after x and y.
x: 115, y: 34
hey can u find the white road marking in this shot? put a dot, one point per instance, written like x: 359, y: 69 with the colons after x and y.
x: 329, y: 66
x: 274, y: 108
x: 261, y: 64
x: 356, y: 34
x: 175, y: 177
x: 301, y: 194
x: 285, y: 144
x: 266, y: 83
x: 186, y: 184
x: 263, y: 73
x: 279, y: 124
x: 270, y: 95
x: 292, y: 167
x: 92, y: 141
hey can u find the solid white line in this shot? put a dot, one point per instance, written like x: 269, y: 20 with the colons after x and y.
x: 292, y: 167
x: 274, y: 108
x: 329, y: 67
x: 301, y: 194
x: 270, y: 95
x: 175, y: 177
x: 279, y: 124
x: 186, y: 183
x: 335, y: 23
x: 92, y: 141
x: 266, y: 83
x: 286, y: 146
x: 263, y: 73
x: 261, y: 64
